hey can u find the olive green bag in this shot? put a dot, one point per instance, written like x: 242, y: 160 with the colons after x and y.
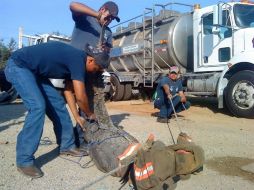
x: 157, y: 165
x: 154, y: 166
x: 189, y: 158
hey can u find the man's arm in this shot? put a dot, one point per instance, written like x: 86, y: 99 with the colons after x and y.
x: 167, y: 91
x: 183, y: 97
x: 103, y: 16
x: 79, y: 9
x: 81, y: 98
x: 71, y: 101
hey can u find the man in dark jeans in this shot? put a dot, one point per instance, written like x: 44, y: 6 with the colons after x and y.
x: 28, y: 69
x: 88, y: 28
x: 170, y: 89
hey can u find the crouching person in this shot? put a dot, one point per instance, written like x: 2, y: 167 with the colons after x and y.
x: 170, y: 89
x: 28, y: 69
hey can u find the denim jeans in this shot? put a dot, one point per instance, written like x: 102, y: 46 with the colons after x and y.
x: 40, y: 98
x: 165, y: 107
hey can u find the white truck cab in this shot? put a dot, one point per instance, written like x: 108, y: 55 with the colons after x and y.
x: 224, y: 42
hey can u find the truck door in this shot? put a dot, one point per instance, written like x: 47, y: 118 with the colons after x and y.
x: 216, y: 41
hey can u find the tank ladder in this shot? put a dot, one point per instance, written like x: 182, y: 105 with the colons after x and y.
x: 148, y: 50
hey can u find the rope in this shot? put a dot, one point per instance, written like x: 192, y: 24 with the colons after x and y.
x: 46, y: 141
x: 171, y: 133
x: 118, y: 132
x: 103, y: 177
x: 177, y: 122
x: 84, y: 166
x: 93, y: 143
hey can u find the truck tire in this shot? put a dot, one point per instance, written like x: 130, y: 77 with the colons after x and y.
x: 8, y: 96
x: 127, y: 91
x: 240, y: 94
x: 8, y: 93
x: 117, y: 89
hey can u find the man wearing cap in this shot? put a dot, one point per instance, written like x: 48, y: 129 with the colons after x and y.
x: 170, y: 89
x: 28, y: 69
x: 87, y: 30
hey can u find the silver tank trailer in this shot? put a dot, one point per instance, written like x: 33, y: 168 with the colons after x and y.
x: 175, y: 29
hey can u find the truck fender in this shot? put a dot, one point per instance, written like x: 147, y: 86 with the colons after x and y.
x: 241, y: 61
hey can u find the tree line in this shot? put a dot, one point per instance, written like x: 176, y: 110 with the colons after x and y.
x: 6, y: 50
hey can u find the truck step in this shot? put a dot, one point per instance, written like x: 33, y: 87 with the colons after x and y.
x: 148, y: 28
x: 148, y: 39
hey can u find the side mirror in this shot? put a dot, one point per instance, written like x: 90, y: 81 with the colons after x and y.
x: 217, y: 14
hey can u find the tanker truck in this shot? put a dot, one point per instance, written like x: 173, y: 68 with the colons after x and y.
x: 213, y: 47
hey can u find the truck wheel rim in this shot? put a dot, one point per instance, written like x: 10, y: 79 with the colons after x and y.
x: 113, y: 88
x: 243, y: 94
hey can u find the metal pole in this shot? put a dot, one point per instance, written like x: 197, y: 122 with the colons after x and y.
x: 177, y: 122
x: 20, y: 37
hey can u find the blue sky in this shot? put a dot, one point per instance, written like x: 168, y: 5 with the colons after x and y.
x: 47, y: 16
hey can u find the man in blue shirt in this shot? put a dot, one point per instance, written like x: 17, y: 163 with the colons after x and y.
x: 88, y: 29
x: 170, y: 89
x: 28, y: 69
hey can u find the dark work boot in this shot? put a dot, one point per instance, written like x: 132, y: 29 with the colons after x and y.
x: 162, y: 120
x: 30, y: 171
x: 76, y: 152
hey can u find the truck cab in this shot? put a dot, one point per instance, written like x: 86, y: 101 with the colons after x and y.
x: 224, y: 45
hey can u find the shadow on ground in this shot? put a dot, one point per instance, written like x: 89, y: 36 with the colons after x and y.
x: 116, y: 119
x: 208, y: 102
x: 11, y: 112
x: 48, y: 157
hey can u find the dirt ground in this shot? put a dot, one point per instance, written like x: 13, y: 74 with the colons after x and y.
x: 227, y: 141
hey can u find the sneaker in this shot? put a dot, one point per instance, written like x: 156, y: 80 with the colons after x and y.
x: 162, y: 120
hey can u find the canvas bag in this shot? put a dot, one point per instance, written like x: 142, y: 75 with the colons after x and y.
x: 189, y: 158
x: 154, y: 166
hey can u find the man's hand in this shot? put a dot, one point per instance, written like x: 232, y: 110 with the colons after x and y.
x: 81, y: 97
x: 99, y: 17
x: 169, y: 96
x: 105, y: 48
x: 81, y: 121
x: 92, y: 117
x: 183, y: 98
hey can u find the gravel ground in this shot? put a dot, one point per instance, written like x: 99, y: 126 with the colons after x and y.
x: 228, y: 143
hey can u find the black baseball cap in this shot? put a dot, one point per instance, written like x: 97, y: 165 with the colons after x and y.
x: 112, y: 8
x: 101, y: 57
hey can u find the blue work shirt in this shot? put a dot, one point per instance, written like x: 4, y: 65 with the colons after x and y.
x: 52, y: 60
x: 87, y: 31
x: 174, y: 86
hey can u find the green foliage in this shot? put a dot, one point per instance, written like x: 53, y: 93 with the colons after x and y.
x: 6, y: 50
